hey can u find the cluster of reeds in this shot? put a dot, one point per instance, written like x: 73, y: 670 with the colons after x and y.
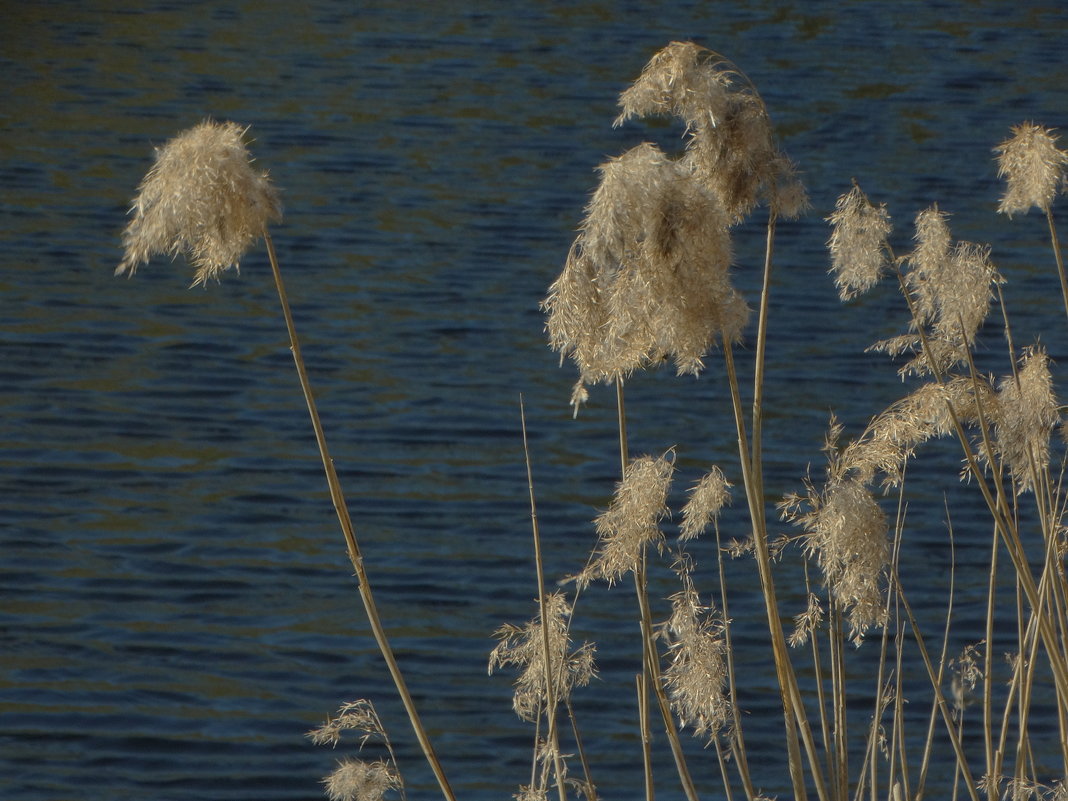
x: 648, y: 279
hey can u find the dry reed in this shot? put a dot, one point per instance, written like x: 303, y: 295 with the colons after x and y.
x: 648, y: 279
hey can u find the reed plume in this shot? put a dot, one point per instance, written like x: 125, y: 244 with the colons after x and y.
x: 950, y: 287
x: 858, y: 243
x: 730, y: 145
x: 522, y: 647
x: 893, y: 435
x: 1033, y: 168
x: 647, y: 277
x: 201, y: 198
x: 846, y: 532
x: 357, y: 780
x: 707, y: 497
x: 1026, y: 413
x: 631, y: 522
x: 696, y: 675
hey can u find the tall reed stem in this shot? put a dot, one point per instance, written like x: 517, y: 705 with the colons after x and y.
x: 1057, y: 255
x: 349, y: 533
x: 550, y: 676
x: 793, y: 705
x: 650, y: 657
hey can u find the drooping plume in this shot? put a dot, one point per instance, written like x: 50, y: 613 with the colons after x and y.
x: 707, y: 498
x: 647, y: 277
x: 731, y: 145
x: 1026, y: 412
x: 201, y: 198
x: 696, y: 674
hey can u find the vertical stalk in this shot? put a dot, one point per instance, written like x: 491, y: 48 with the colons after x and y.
x: 1057, y: 255
x: 793, y: 704
x: 550, y: 675
x: 650, y: 657
x: 349, y: 533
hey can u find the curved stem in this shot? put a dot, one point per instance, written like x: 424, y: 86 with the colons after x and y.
x: 350, y: 535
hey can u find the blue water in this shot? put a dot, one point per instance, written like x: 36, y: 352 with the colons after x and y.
x: 177, y: 608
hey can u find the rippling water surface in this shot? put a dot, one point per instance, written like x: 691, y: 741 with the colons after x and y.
x: 177, y: 608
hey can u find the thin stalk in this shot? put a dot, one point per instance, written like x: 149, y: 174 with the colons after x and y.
x: 940, y: 698
x: 741, y: 758
x: 550, y: 676
x: 643, y: 722
x: 355, y: 556
x: 988, y: 661
x: 838, y: 694
x: 650, y: 657
x: 793, y: 705
x: 945, y: 650
x: 759, y: 355
x: 1057, y: 255
x: 590, y: 787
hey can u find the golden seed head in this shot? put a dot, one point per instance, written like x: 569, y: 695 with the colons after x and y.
x: 201, y: 198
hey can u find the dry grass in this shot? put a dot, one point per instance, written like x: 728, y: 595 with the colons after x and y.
x: 647, y: 279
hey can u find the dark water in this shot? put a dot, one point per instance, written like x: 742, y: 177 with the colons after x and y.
x: 177, y: 607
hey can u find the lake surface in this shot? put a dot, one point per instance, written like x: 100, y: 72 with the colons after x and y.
x: 176, y: 606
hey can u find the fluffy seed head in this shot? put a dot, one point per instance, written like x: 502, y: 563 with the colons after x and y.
x: 647, y: 277
x: 352, y: 716
x: 893, y: 435
x: 1033, y: 168
x: 632, y: 520
x: 848, y: 536
x: 356, y: 780
x: 524, y: 647
x: 201, y: 198
x: 858, y: 243
x: 731, y: 145
x: 950, y: 286
x: 707, y: 498
x: 696, y: 676
x: 1026, y: 414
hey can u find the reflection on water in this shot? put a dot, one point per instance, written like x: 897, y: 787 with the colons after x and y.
x: 177, y: 606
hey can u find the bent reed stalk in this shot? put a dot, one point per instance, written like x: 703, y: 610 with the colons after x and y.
x: 203, y: 199
x: 648, y: 280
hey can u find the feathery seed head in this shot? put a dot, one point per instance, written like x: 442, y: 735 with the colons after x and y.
x: 893, y: 435
x: 846, y: 531
x: 201, y: 198
x: 683, y: 80
x: 356, y: 780
x: 647, y: 277
x: 632, y: 520
x: 950, y: 286
x: 707, y: 498
x: 696, y: 677
x: 524, y: 647
x: 858, y: 243
x: 848, y: 535
x: 1033, y: 168
x: 807, y: 623
x: 731, y: 146
x: 1026, y: 413
x: 353, y: 715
